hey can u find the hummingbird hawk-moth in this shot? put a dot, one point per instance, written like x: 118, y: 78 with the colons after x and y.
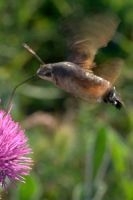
x: 79, y: 74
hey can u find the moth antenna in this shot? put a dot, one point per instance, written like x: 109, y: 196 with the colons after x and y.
x: 9, y: 104
x: 26, y: 46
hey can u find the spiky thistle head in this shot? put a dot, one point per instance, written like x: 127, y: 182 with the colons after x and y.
x: 15, y: 162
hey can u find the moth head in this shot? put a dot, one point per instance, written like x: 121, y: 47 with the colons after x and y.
x: 45, y: 72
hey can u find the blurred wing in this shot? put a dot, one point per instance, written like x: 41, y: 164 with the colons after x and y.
x: 85, y: 36
x: 109, y: 70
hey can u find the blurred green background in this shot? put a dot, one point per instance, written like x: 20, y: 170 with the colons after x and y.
x: 81, y: 151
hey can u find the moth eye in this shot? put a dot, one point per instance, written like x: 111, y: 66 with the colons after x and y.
x: 48, y: 74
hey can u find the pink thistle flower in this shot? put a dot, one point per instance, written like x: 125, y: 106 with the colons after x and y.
x: 15, y: 162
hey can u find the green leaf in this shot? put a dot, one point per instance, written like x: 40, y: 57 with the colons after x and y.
x: 99, y: 150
